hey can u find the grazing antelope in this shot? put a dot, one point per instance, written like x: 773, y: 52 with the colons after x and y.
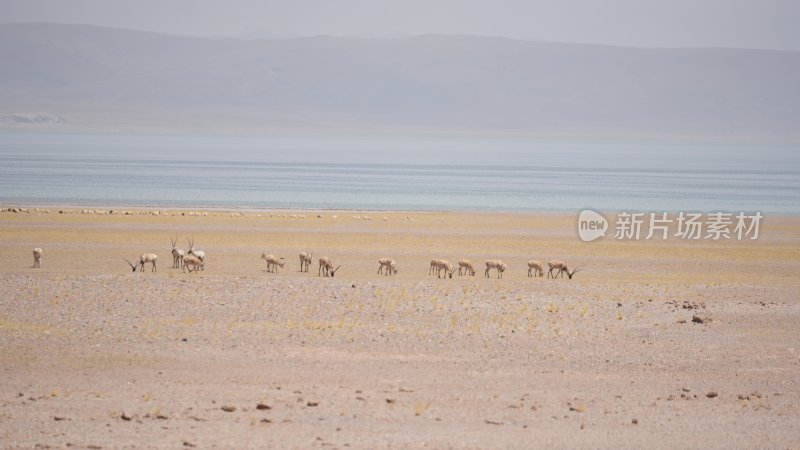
x: 326, y: 267
x: 177, y: 254
x: 561, y: 268
x: 467, y: 266
x: 144, y: 259
x: 446, y: 266
x: 389, y: 264
x: 198, y: 253
x: 192, y: 263
x: 495, y: 264
x: 37, y: 258
x: 273, y: 262
x: 434, y: 266
x: 305, y: 261
x: 535, y: 267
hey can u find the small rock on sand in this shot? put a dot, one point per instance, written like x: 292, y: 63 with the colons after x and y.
x: 712, y: 394
x: 228, y: 408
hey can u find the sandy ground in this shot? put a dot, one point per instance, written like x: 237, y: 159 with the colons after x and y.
x: 94, y: 356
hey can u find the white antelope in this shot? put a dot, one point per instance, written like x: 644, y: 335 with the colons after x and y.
x: 495, y: 264
x: 198, y: 253
x: 388, y: 264
x: 446, y: 266
x: 273, y: 262
x: 561, y: 268
x: 467, y: 266
x: 326, y: 267
x: 37, y: 258
x: 144, y: 259
x: 177, y: 254
x: 535, y: 268
x: 191, y: 263
x: 306, y: 258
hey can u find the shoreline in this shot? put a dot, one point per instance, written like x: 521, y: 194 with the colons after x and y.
x: 144, y: 208
x: 250, y: 209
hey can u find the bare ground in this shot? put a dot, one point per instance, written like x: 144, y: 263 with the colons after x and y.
x: 655, y: 344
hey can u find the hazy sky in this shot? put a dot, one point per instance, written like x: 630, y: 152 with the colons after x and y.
x: 771, y: 24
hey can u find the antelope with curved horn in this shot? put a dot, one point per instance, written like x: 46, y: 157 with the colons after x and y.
x: 305, y: 261
x: 326, y: 267
x: 495, y: 264
x: 273, y: 262
x: 561, y: 268
x: 535, y: 268
x: 177, y: 254
x: 201, y: 255
x: 144, y: 259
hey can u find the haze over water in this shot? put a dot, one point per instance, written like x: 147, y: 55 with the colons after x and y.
x: 392, y: 173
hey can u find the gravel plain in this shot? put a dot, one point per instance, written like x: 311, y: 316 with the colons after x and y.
x: 657, y: 344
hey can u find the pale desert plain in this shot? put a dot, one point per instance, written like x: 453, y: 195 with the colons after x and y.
x: 654, y: 344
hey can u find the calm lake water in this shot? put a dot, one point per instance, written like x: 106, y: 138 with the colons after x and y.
x: 389, y: 173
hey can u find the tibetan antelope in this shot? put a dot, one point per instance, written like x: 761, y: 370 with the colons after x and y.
x: 305, y: 261
x: 191, y: 263
x: 467, y: 266
x: 177, y: 254
x: 201, y: 255
x: 535, y: 268
x: 326, y: 267
x: 434, y: 266
x: 561, y: 268
x: 388, y: 264
x: 446, y: 266
x: 144, y: 259
x: 495, y: 264
x: 273, y: 262
x: 37, y: 258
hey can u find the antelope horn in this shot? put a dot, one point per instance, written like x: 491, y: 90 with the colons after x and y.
x: 574, y: 271
x: 129, y: 263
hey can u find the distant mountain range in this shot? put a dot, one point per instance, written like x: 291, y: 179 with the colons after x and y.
x: 84, y: 76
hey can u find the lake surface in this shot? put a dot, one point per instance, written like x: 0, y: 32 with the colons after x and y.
x: 391, y: 173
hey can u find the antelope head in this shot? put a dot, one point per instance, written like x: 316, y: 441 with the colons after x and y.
x: 333, y: 271
x: 133, y: 266
x: 194, y: 252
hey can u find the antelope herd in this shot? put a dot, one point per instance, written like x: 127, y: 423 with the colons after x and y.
x: 194, y: 261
